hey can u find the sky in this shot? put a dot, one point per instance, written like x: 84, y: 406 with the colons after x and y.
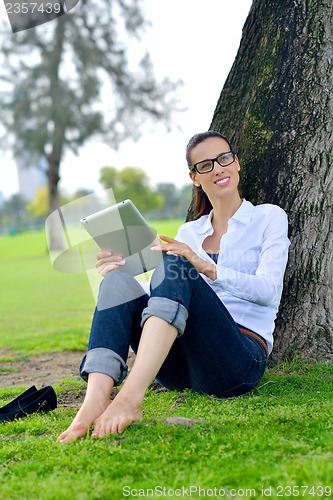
x: 192, y: 40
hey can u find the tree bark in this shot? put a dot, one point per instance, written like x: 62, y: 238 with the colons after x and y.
x: 277, y: 109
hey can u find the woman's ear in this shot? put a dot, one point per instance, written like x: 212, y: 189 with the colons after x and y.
x: 193, y: 178
x: 237, y: 161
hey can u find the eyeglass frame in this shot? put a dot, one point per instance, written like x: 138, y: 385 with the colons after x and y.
x: 194, y: 166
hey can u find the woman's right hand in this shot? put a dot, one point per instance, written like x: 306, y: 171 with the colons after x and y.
x: 107, y: 262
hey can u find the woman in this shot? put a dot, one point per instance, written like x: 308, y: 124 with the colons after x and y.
x: 208, y: 322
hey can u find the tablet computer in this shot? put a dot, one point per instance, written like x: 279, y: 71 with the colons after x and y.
x: 124, y: 231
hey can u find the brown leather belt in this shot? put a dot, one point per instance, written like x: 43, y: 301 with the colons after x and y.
x: 256, y: 337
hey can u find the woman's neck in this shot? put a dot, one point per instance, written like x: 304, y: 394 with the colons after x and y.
x: 223, y: 210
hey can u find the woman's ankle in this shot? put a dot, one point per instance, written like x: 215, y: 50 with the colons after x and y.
x: 133, y: 395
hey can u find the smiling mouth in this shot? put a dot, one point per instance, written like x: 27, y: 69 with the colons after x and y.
x: 220, y: 182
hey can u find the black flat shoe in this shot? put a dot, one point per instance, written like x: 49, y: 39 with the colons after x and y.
x: 8, y: 406
x: 31, y: 401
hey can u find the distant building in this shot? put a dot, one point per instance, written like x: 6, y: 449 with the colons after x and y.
x: 31, y: 177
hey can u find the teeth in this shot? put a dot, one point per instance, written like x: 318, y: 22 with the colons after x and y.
x: 222, y: 181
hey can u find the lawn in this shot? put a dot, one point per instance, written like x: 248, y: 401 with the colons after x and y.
x: 273, y: 443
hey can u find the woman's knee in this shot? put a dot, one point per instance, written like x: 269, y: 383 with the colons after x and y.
x: 118, y: 288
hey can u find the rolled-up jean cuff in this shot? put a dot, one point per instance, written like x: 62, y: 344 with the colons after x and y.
x: 103, y: 360
x: 171, y: 311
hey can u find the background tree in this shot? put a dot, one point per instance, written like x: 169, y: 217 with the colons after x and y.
x: 175, y: 200
x: 277, y: 108
x: 40, y: 205
x: 131, y: 183
x: 13, y: 214
x: 55, y: 76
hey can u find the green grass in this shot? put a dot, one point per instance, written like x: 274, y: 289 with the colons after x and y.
x: 44, y: 310
x: 255, y: 446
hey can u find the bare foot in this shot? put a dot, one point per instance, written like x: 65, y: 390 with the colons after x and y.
x: 120, y: 413
x: 74, y: 432
x: 89, y: 411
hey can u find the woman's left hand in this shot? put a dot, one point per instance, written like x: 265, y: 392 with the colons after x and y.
x: 174, y: 247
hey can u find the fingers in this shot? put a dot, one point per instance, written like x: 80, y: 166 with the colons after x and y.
x: 165, y: 247
x: 107, y: 261
x: 167, y: 239
x: 171, y: 247
x: 103, y: 254
x: 105, y: 268
x: 114, y: 259
x: 106, y: 256
x: 157, y: 248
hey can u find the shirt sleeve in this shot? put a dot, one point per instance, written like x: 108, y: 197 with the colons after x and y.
x: 265, y: 286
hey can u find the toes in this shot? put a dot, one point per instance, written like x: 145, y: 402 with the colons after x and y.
x: 123, y: 424
x: 72, y: 434
x: 97, y: 428
x: 115, y: 420
x: 61, y: 437
x: 115, y: 426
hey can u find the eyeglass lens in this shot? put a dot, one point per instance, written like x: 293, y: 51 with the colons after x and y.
x: 224, y: 160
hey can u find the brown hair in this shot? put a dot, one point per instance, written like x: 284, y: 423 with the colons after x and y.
x: 201, y: 203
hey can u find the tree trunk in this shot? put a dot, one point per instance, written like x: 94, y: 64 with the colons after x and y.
x: 277, y: 109
x: 55, y: 223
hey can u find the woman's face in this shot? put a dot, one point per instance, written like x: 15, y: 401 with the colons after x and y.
x: 221, y: 181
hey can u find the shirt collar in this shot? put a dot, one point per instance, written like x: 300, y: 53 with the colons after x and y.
x: 243, y: 215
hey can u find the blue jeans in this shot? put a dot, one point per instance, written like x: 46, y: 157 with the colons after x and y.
x: 210, y: 354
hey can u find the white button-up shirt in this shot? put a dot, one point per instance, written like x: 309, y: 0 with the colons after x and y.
x: 251, y: 264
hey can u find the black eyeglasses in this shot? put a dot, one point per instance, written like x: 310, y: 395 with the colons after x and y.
x: 205, y: 166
